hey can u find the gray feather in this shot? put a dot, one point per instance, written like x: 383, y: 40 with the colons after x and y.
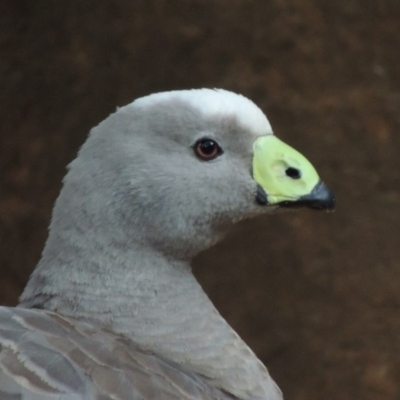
x: 51, y: 357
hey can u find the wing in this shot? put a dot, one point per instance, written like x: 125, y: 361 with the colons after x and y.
x: 44, y: 356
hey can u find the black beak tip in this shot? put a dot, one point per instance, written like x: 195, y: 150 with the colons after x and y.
x: 321, y: 198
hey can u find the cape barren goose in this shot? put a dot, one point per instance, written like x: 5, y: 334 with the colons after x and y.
x: 112, y: 311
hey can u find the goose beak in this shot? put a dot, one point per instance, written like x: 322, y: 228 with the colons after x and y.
x: 286, y: 178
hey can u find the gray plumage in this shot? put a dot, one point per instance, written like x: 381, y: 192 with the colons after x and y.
x: 46, y: 356
x: 113, y: 311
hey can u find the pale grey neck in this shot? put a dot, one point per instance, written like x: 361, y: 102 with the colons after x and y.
x: 153, y: 300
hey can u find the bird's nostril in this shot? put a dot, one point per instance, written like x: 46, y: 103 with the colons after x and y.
x: 293, y: 173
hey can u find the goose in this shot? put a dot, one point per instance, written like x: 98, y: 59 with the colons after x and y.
x: 112, y: 310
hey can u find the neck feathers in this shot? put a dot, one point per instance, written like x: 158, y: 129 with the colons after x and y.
x: 152, y: 300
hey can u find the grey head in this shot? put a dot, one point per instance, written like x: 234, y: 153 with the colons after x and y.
x: 154, y: 185
x: 140, y: 175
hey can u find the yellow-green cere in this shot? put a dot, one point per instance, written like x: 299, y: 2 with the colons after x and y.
x: 273, y: 164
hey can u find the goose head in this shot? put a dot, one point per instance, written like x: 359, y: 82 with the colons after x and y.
x: 175, y: 170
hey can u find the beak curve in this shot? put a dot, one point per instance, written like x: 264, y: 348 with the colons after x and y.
x: 285, y: 178
x: 320, y: 198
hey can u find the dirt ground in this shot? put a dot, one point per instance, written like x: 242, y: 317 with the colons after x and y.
x: 316, y: 295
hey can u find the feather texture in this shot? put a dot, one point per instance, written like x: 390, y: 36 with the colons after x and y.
x: 45, y: 356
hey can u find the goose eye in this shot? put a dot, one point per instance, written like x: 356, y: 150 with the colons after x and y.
x: 207, y: 149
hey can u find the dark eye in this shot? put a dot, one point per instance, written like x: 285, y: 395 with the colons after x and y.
x: 207, y: 149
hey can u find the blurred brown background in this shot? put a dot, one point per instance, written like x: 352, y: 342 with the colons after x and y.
x: 316, y: 295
